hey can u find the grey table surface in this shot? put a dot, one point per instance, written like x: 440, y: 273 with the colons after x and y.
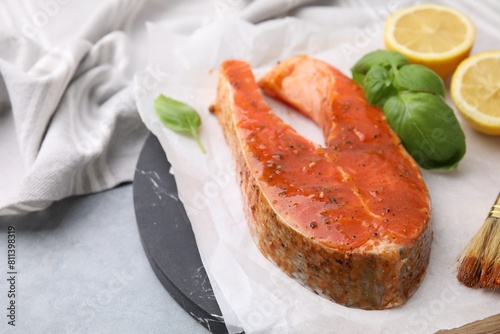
x: 81, y: 268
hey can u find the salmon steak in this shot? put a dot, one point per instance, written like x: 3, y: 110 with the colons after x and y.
x: 349, y: 219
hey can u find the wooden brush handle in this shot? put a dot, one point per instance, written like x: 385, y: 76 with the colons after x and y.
x: 489, y: 325
x: 495, y: 209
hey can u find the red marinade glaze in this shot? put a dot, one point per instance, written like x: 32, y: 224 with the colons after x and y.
x: 361, y: 186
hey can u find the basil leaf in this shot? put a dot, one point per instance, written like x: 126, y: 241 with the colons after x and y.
x: 418, y: 78
x: 428, y: 129
x: 387, y: 59
x: 178, y: 116
x: 377, y: 85
x: 412, y: 99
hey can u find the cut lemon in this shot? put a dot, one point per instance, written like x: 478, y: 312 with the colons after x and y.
x: 475, y: 90
x: 435, y: 36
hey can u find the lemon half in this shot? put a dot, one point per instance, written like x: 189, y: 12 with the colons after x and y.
x: 475, y: 90
x: 436, y: 36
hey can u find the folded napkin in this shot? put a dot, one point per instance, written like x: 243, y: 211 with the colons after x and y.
x: 75, y: 118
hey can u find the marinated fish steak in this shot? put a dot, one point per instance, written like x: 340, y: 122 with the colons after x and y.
x: 350, y: 219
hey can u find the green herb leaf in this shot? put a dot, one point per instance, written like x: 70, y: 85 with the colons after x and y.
x: 378, y: 85
x: 418, y: 78
x: 178, y: 117
x: 388, y: 59
x: 428, y: 129
x: 412, y: 97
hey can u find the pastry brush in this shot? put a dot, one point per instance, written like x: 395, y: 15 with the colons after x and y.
x: 479, y: 262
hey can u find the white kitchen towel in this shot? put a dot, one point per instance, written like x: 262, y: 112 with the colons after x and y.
x: 76, y: 127
x: 75, y: 118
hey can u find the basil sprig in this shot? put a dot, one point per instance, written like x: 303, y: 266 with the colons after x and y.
x: 179, y: 117
x: 412, y: 98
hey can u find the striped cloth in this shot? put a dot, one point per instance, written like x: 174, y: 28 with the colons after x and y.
x: 72, y: 115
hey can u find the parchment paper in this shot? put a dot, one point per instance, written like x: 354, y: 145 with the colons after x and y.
x: 254, y: 295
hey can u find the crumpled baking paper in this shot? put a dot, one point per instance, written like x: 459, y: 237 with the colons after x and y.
x: 254, y: 295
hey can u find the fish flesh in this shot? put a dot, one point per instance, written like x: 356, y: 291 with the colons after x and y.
x: 349, y: 219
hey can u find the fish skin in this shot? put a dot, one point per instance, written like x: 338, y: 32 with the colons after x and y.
x: 350, y: 220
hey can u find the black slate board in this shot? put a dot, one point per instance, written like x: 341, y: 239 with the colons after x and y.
x: 168, y: 239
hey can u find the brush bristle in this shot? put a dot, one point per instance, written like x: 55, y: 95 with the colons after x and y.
x: 480, y: 260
